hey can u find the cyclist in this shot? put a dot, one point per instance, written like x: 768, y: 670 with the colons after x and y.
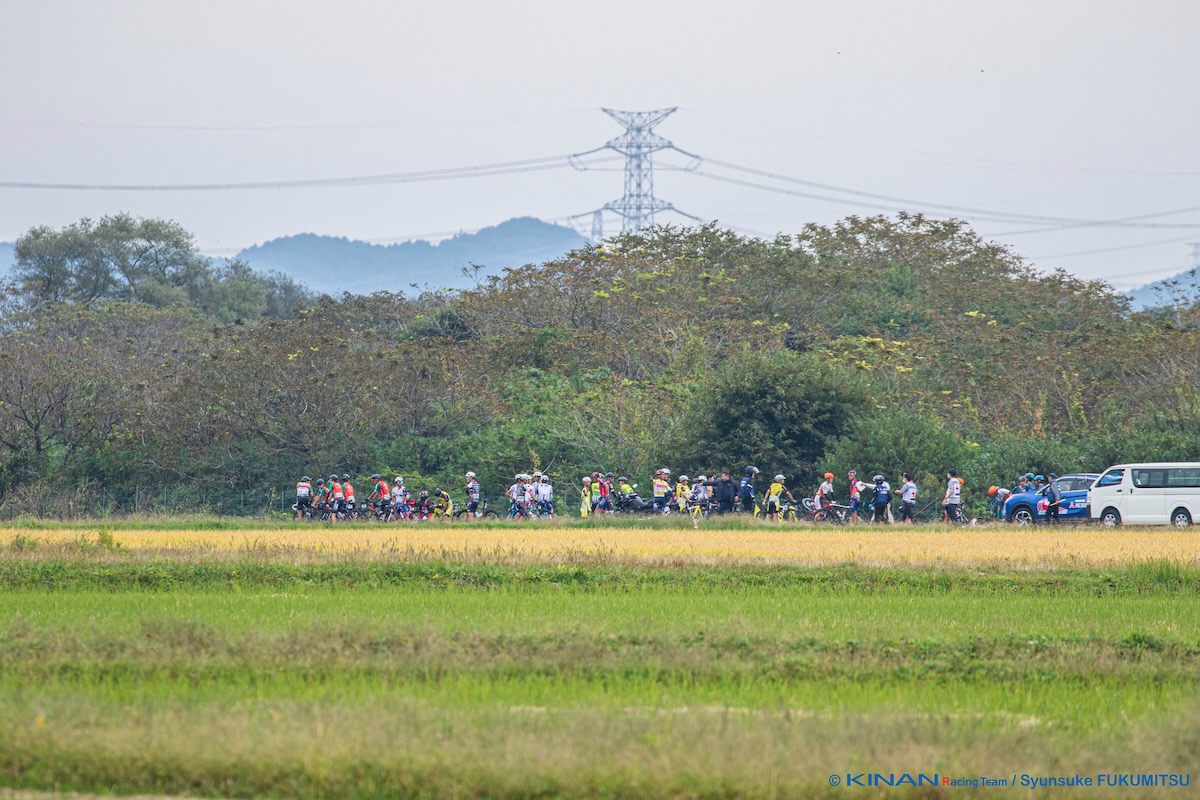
x: 380, y: 497
x: 682, y: 489
x: 662, y: 487
x: 400, y: 499
x: 443, y: 503
x: 424, y: 509
x: 856, y: 489
x: 997, y: 497
x: 348, y: 492
x: 516, y: 496
x: 774, y: 497
x: 472, y: 495
x: 623, y: 486
x: 824, y: 496
x: 543, y: 496
x: 303, y: 497
x: 336, y: 496
x: 321, y: 499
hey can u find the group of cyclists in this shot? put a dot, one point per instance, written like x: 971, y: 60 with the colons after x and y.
x: 532, y: 496
x: 334, y: 500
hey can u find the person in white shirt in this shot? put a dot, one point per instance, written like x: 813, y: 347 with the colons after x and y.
x: 953, y: 498
x: 543, y: 496
x: 908, y: 500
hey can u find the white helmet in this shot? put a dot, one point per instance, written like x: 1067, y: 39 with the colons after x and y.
x: 470, y: 475
x: 779, y: 478
x: 701, y: 479
x: 683, y: 477
x: 399, y: 479
x: 666, y: 471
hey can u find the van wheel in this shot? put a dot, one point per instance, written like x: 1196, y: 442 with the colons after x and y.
x: 1023, y: 516
x: 1180, y: 518
x: 1111, y: 518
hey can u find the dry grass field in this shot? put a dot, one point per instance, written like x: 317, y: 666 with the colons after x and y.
x: 997, y: 544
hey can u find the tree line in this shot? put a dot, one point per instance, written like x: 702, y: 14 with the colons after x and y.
x: 135, y: 373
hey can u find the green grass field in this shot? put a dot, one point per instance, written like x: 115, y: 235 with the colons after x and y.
x: 262, y: 673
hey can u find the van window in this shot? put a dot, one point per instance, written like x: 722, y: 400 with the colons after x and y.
x: 1111, y: 478
x: 1150, y: 478
x: 1183, y: 477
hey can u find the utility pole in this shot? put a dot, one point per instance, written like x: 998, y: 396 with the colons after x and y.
x: 638, y: 205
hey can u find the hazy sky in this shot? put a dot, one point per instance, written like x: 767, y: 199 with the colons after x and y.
x: 1062, y: 109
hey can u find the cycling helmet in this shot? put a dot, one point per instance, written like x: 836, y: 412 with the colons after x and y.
x: 595, y: 474
x: 398, y: 480
x: 1029, y: 476
x: 751, y: 470
x: 683, y: 477
x: 424, y: 493
x: 828, y: 476
x: 878, y: 479
x: 666, y: 471
x: 332, y: 478
x: 545, y: 478
x: 470, y: 475
x: 375, y: 477
x: 851, y: 474
x: 780, y: 478
x: 701, y: 479
x: 537, y: 475
x: 346, y: 477
x: 437, y: 491
x: 1051, y: 475
x: 1041, y: 478
x: 587, y: 478
x: 306, y: 479
x: 320, y: 481
x: 622, y: 479
x: 992, y: 491
x: 608, y: 475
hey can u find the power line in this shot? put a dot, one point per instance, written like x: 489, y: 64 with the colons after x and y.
x: 978, y: 213
x: 478, y: 171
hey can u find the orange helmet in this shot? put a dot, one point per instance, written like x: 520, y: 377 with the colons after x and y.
x: 991, y: 491
x: 828, y: 476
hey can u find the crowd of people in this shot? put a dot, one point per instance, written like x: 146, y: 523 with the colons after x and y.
x: 531, y: 495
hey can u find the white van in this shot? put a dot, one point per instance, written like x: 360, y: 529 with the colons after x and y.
x: 1147, y: 494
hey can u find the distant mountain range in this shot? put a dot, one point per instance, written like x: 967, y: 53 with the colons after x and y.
x: 333, y: 265
x: 329, y: 264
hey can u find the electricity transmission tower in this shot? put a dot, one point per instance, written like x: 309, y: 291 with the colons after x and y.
x: 638, y: 205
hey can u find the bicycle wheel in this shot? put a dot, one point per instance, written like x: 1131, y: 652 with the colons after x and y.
x: 488, y: 514
x: 789, y: 515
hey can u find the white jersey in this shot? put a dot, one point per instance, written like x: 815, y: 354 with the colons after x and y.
x: 543, y: 492
x: 953, y: 490
x: 516, y: 492
x: 908, y: 492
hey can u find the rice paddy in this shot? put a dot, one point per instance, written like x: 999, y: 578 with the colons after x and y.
x: 592, y: 661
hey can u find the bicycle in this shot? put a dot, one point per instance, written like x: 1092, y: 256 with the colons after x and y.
x: 833, y: 513
x: 481, y: 512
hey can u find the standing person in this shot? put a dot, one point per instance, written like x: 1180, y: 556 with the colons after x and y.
x: 602, y: 491
x: 1053, y: 499
x: 953, y: 498
x: 881, y: 499
x: 724, y: 492
x: 543, y: 495
x: 774, y: 497
x: 585, y: 497
x: 856, y: 490
x: 472, y: 495
x: 303, y: 497
x: 400, y: 498
x: 321, y: 496
x: 746, y: 489
x: 908, y: 500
